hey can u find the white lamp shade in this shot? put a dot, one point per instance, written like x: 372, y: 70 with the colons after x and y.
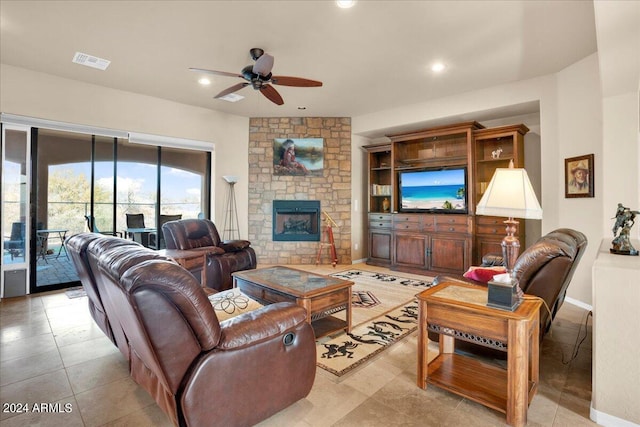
x: 510, y: 194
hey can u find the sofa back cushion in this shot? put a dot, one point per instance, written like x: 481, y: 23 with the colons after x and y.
x: 190, y: 234
x: 77, y: 249
x: 95, y: 249
x: 167, y: 318
x: 545, y: 268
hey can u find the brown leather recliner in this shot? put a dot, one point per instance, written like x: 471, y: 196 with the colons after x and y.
x: 223, y: 257
x: 544, y: 269
x: 201, y: 371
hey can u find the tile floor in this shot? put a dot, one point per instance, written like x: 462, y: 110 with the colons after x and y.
x: 52, y: 352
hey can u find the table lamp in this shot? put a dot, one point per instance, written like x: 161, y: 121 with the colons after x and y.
x: 510, y: 194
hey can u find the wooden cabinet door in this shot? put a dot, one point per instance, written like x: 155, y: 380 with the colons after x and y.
x: 449, y: 254
x: 380, y: 247
x: 487, y: 245
x: 411, y: 250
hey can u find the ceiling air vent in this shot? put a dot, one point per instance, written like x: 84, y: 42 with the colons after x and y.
x: 232, y: 97
x: 91, y: 61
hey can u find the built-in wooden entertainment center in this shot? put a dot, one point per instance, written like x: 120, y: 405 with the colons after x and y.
x: 448, y: 238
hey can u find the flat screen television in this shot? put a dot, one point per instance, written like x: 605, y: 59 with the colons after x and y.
x: 442, y: 190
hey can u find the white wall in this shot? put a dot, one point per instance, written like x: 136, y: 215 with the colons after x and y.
x: 39, y: 95
x: 618, y: 32
x: 359, y: 208
x: 570, y: 124
x: 621, y: 157
x: 580, y: 132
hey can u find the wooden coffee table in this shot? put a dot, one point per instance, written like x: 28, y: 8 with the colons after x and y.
x: 321, y: 296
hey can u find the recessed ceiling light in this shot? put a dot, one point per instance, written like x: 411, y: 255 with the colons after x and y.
x: 232, y: 97
x: 345, y: 4
x: 437, y: 67
x: 204, y: 81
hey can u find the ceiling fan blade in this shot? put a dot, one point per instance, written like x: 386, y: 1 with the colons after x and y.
x: 272, y: 94
x: 217, y: 73
x: 231, y: 89
x: 263, y: 64
x: 294, y: 81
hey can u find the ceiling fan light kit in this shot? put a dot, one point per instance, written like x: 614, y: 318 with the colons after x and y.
x: 259, y: 76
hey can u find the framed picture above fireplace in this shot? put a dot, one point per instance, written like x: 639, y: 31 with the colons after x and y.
x: 298, y: 156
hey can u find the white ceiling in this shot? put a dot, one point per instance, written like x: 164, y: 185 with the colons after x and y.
x: 371, y: 57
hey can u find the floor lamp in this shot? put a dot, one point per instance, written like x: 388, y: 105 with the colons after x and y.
x: 510, y: 194
x: 230, y: 230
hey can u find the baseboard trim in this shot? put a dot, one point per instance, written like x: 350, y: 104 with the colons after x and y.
x: 607, y: 420
x: 578, y: 303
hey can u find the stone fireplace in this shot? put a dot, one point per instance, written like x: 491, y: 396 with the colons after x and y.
x: 332, y: 189
x: 296, y: 220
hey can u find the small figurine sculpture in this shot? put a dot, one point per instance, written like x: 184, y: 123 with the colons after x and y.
x: 625, y: 218
x: 495, y: 154
x: 385, y: 205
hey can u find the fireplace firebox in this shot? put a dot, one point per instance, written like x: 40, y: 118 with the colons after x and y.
x: 296, y: 220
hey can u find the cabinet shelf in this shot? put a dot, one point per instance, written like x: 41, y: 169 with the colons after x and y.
x: 382, y: 168
x: 408, y: 164
x: 493, y: 161
x: 509, y: 140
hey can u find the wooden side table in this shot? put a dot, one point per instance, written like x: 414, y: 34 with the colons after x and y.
x: 459, y: 311
x: 189, y: 259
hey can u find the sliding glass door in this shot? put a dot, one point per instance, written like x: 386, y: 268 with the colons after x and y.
x: 62, y: 196
x: 58, y: 181
x: 94, y: 183
x: 102, y: 208
x: 137, y: 190
x: 184, y: 182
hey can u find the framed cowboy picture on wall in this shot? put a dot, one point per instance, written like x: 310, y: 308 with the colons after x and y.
x: 578, y: 176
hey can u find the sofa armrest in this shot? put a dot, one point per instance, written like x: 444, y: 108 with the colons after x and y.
x: 234, y: 245
x: 249, y: 329
x: 210, y: 250
x: 255, y: 371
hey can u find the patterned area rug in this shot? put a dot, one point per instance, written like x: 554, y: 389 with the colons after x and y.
x: 376, y: 326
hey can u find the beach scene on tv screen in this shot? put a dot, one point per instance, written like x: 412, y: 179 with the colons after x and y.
x: 433, y: 190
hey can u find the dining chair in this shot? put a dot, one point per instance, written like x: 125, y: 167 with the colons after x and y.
x: 156, y: 239
x: 135, y: 221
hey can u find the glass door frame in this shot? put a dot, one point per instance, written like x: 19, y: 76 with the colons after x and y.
x: 26, y: 263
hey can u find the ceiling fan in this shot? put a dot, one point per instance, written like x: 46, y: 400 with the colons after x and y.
x: 259, y: 76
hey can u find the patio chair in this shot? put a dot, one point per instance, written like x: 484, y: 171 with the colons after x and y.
x: 15, y: 244
x: 91, y: 224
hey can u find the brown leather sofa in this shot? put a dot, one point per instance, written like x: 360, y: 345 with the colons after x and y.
x: 544, y: 269
x: 200, y: 371
x: 223, y: 257
x: 77, y: 248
